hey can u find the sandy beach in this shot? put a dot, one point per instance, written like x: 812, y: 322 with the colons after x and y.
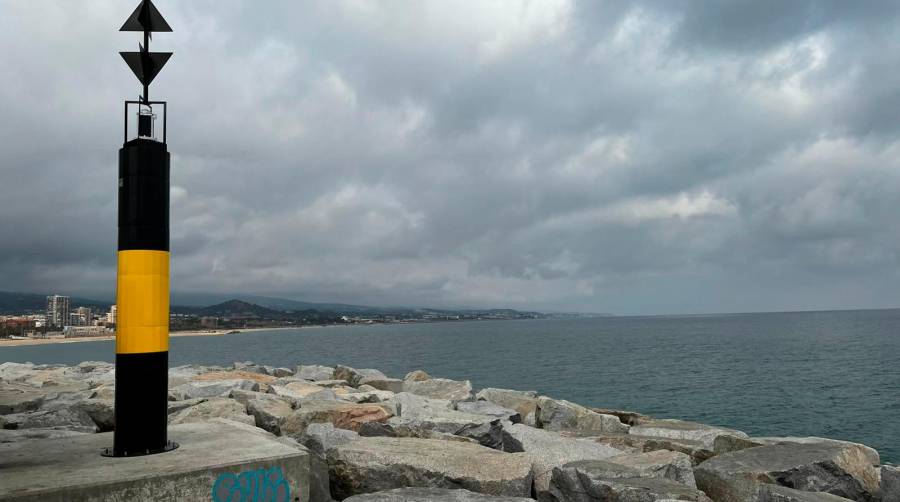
x: 214, y: 332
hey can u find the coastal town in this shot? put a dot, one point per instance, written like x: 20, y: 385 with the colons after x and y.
x: 66, y: 318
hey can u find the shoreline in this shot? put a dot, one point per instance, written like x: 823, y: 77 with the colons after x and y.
x: 215, y: 332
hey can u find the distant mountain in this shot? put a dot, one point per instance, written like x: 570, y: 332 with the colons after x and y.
x: 283, y: 304
x: 16, y: 303
x: 261, y: 307
x: 239, y: 308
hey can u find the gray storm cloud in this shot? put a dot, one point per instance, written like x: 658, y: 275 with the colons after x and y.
x: 640, y: 157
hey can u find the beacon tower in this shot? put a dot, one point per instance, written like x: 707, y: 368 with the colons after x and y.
x: 142, y: 283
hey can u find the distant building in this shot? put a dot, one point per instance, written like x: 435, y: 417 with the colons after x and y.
x: 57, y: 311
x: 209, y: 322
x: 85, y: 316
x: 111, y: 315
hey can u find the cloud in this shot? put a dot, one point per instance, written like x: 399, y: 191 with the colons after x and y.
x: 566, y: 155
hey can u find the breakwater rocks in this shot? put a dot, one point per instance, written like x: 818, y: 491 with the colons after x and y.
x: 376, y: 438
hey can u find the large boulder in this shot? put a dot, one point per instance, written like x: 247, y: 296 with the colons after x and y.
x: 440, y: 388
x: 15, y: 372
x: 340, y: 414
x: 417, y: 376
x: 321, y: 437
x: 67, y: 417
x: 215, y: 388
x: 524, y: 402
x: 387, y: 384
x: 19, y: 398
x: 268, y: 413
x: 236, y: 374
x: 302, y: 390
x: 396, y: 427
x: 845, y: 469
x: 101, y: 411
x: 417, y: 413
x: 354, y: 376
x: 547, y: 450
x: 562, y: 415
x: 430, y: 495
x: 597, y: 480
x: 890, y: 483
x: 214, y: 407
x: 775, y: 493
x: 318, y: 438
x: 251, y: 366
x: 659, y: 464
x: 490, y: 409
x: 412, y: 405
x: 314, y: 372
x: 679, y: 429
x: 363, y: 394
x: 635, y: 443
x: 627, y: 417
x: 373, y: 464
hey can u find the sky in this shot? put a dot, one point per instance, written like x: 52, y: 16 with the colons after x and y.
x: 640, y: 157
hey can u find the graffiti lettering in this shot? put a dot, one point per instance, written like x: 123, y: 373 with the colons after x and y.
x: 260, y: 485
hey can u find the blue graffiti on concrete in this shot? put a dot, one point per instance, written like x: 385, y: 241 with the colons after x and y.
x: 259, y: 485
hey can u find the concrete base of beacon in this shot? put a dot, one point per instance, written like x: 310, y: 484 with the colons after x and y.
x: 217, y: 460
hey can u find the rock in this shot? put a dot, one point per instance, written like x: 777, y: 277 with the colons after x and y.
x: 101, y: 411
x: 490, y: 409
x: 69, y: 417
x: 417, y: 376
x: 524, y: 402
x: 17, y: 398
x: 12, y: 436
x: 440, y: 388
x: 588, y: 480
x: 314, y: 372
x: 775, y: 493
x: 626, y: 417
x: 547, y: 450
x: 561, y: 415
x: 269, y: 411
x: 302, y: 390
x: 214, y: 407
x: 890, y: 483
x: 659, y: 464
x: 372, y: 396
x: 15, y: 372
x: 215, y: 388
x: 412, y: 405
x: 430, y: 495
x: 417, y: 413
x: 176, y: 406
x: 105, y: 391
x: 840, y: 468
x: 353, y: 375
x: 323, y: 436
x: 389, y: 384
x: 340, y: 414
x: 282, y: 372
x: 632, y: 442
x: 180, y: 375
x: 679, y: 429
x: 241, y: 374
x: 251, y: 367
x: 332, y: 384
x: 372, y: 464
x: 400, y: 428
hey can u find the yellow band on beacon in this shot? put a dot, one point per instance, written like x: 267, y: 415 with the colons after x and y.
x: 142, y: 299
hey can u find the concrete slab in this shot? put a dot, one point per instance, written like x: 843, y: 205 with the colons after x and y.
x: 219, y: 460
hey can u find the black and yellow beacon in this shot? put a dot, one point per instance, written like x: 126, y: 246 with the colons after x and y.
x: 142, y: 283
